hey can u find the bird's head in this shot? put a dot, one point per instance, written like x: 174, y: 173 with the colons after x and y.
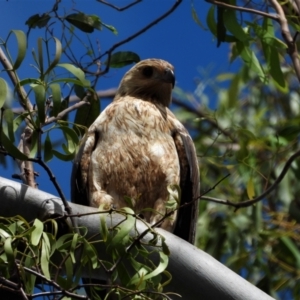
x: 149, y: 80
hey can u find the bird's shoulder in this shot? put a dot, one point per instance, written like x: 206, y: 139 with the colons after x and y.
x: 130, y: 113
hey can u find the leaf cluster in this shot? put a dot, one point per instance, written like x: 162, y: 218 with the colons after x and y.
x: 251, y: 135
x: 44, y: 263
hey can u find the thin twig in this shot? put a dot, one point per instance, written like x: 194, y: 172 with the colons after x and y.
x: 109, y: 52
x: 65, y: 112
x: 23, y: 97
x: 286, y: 34
x: 261, y: 196
x: 27, y: 174
x: 53, y: 283
x: 120, y: 8
x: 244, y: 9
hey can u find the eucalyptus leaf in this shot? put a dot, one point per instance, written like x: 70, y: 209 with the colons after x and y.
x: 3, y: 92
x: 11, y: 148
x: 86, y: 23
x: 122, y: 58
x: 22, y: 46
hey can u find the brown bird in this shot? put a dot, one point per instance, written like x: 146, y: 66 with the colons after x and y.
x: 137, y: 148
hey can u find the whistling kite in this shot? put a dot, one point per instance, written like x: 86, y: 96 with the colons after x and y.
x: 137, y: 148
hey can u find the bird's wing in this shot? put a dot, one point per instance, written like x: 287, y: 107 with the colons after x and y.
x: 80, y: 171
x: 189, y: 183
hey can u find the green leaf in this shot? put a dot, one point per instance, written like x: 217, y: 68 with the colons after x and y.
x: 37, y: 20
x: 91, y: 253
x: 34, y: 144
x: 69, y: 273
x: 289, y: 131
x: 8, y: 249
x: 58, y: 52
x: 123, y: 230
x: 79, y: 91
x: 87, y: 114
x: 22, y: 46
x: 40, y: 56
x: 29, y: 81
x: 110, y: 27
x: 8, y: 116
x: 40, y: 99
x: 195, y: 17
x: 77, y: 72
x: 163, y: 263
x: 165, y: 248
x: 231, y: 23
x: 71, y: 138
x: 56, y: 98
x: 250, y: 189
x: 3, y: 92
x: 233, y: 91
x: 210, y: 20
x: 11, y: 148
x: 251, y: 60
x: 275, y: 70
x: 103, y: 226
x: 48, y: 155
x: 36, y: 234
x: 64, y: 157
x: 122, y: 58
x: 212, y: 25
x: 293, y: 249
x: 74, y: 243
x: 45, y: 255
x: 86, y: 23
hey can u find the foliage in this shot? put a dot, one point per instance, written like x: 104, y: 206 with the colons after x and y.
x: 46, y: 264
x: 29, y: 135
x: 252, y: 135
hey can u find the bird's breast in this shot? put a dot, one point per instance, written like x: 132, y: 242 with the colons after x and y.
x: 135, y: 154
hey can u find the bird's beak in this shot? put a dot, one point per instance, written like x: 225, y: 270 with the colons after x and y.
x: 169, y: 76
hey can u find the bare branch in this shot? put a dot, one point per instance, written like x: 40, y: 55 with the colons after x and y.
x: 109, y: 52
x: 26, y: 168
x: 23, y: 98
x: 120, y: 8
x: 286, y: 34
x: 244, y: 9
x: 66, y: 111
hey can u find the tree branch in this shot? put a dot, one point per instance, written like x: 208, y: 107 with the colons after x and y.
x: 109, y: 52
x: 27, y: 174
x: 261, y: 196
x: 286, y: 34
x: 23, y: 97
x: 243, y: 9
x: 66, y: 111
x: 203, y: 274
x: 120, y: 8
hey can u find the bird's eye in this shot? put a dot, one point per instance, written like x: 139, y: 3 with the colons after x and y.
x: 147, y: 72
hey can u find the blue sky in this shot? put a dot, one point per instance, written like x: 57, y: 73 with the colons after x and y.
x: 177, y: 39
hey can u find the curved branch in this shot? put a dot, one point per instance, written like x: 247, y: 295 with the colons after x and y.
x: 286, y: 34
x: 120, y: 8
x: 203, y: 274
x: 109, y: 52
x: 24, y: 101
x: 65, y: 112
x: 243, y: 9
x: 261, y: 196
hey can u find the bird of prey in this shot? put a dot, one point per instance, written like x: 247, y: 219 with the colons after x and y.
x: 137, y: 148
